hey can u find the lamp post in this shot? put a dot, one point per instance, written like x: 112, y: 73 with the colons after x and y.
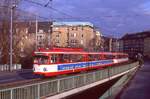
x: 36, y: 32
x: 11, y: 35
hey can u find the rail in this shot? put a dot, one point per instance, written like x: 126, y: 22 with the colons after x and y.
x: 53, y: 87
x: 6, y: 67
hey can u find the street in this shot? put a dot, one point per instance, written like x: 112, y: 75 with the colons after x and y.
x: 8, y: 77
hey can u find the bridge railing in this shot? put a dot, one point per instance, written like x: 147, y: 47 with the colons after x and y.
x: 52, y: 87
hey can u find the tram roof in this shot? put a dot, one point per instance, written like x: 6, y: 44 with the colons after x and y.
x: 84, y: 53
x: 73, y: 51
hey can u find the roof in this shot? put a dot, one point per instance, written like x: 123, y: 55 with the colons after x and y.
x: 71, y: 51
x: 137, y: 35
x: 72, y: 24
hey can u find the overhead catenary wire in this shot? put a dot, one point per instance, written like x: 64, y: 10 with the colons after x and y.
x: 26, y: 13
x: 69, y: 16
x: 49, y: 7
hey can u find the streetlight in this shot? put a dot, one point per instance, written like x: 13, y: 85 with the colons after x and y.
x: 11, y: 35
x: 36, y: 32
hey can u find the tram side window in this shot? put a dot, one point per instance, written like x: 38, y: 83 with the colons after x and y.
x: 53, y: 58
x: 41, y: 59
x: 115, y: 56
x: 96, y: 57
x: 101, y: 56
x: 109, y: 56
x: 93, y: 57
x: 64, y: 58
x: 120, y: 56
x: 76, y: 58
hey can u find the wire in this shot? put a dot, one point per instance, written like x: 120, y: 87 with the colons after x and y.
x: 25, y: 12
x: 47, y: 3
x: 56, y: 10
x: 34, y: 14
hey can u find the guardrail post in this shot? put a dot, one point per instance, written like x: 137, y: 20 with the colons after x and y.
x: 84, y: 79
x: 11, y: 94
x: 58, y: 86
x: 38, y: 91
x: 94, y: 78
x: 73, y: 81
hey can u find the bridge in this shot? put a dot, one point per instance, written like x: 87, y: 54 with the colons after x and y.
x: 62, y: 87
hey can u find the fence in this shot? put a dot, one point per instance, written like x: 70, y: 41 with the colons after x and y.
x: 5, y: 67
x: 48, y: 88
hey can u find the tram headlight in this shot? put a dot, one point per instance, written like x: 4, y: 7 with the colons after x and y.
x: 44, y: 69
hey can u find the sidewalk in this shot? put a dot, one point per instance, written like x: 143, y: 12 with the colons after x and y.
x: 139, y: 87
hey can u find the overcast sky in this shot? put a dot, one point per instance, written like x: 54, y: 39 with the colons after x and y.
x: 112, y: 17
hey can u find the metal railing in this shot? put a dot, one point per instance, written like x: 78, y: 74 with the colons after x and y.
x: 48, y: 88
x: 112, y: 92
x: 6, y: 67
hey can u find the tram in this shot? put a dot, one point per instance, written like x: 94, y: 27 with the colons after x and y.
x: 57, y: 61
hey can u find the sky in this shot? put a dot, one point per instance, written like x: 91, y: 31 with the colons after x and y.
x: 112, y: 17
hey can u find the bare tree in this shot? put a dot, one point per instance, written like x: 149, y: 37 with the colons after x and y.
x: 5, y: 7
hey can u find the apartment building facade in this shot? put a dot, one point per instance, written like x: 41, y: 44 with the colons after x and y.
x: 137, y: 43
x: 73, y: 34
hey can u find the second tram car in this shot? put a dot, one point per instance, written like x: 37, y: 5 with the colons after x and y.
x: 59, y: 61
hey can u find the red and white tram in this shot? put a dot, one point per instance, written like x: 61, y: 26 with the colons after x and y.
x: 59, y: 61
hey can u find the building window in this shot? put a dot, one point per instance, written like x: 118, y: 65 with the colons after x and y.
x: 57, y: 41
x: 41, y: 37
x: 40, y: 43
x: 73, y: 35
x: 26, y: 31
x: 41, y: 31
x: 72, y: 28
x: 56, y: 28
x: 81, y: 41
x: 73, y: 41
x: 82, y: 35
x: 58, y: 35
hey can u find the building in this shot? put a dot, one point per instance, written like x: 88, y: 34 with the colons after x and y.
x: 120, y: 45
x: 147, y: 47
x: 73, y: 34
x: 137, y: 43
x: 107, y: 44
x: 99, y: 42
x: 43, y: 34
x: 26, y: 40
x: 117, y: 45
x: 61, y: 34
x: 112, y: 44
x: 29, y: 29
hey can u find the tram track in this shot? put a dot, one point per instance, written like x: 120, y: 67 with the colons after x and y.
x: 23, y: 82
x: 18, y: 83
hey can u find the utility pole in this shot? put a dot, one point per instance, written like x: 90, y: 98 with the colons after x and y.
x: 13, y: 6
x: 36, y: 30
x: 68, y: 39
x: 50, y: 32
x: 50, y: 2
